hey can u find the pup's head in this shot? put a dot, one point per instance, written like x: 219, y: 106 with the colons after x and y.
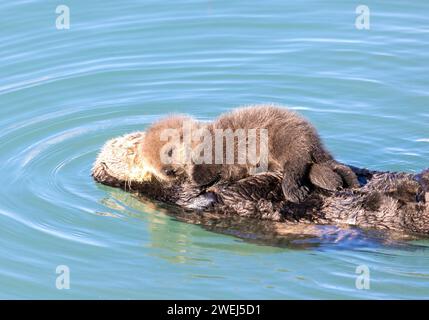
x: 167, y: 146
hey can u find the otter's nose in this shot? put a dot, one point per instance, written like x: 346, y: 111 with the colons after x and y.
x: 99, y: 171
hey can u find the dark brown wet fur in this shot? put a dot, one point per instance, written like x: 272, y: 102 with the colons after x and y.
x: 393, y: 202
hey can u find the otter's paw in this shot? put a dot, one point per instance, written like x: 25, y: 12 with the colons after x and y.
x: 294, y: 192
x: 203, y: 202
x: 204, y: 174
x: 323, y: 176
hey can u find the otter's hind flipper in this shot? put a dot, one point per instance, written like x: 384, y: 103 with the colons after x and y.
x: 294, y: 185
x: 332, y: 175
x: 349, y: 177
x: 323, y: 176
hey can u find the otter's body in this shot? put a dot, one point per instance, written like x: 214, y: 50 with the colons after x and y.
x: 388, y: 201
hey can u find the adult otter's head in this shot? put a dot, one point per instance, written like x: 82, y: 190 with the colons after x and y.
x: 120, y: 162
x: 123, y: 163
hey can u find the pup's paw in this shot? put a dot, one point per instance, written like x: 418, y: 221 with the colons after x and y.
x: 204, y: 174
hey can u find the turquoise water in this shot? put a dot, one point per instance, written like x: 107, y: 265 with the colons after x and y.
x: 123, y: 64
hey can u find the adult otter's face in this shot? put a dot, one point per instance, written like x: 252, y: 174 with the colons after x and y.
x: 121, y: 163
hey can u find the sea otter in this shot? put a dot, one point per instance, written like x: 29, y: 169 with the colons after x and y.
x: 292, y: 148
x: 388, y: 201
x: 238, y: 144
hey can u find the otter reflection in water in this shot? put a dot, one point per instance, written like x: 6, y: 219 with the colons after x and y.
x: 176, y: 245
x: 398, y: 202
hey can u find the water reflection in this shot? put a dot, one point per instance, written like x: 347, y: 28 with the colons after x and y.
x: 178, y: 237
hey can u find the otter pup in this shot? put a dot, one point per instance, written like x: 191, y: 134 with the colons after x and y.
x: 291, y: 146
